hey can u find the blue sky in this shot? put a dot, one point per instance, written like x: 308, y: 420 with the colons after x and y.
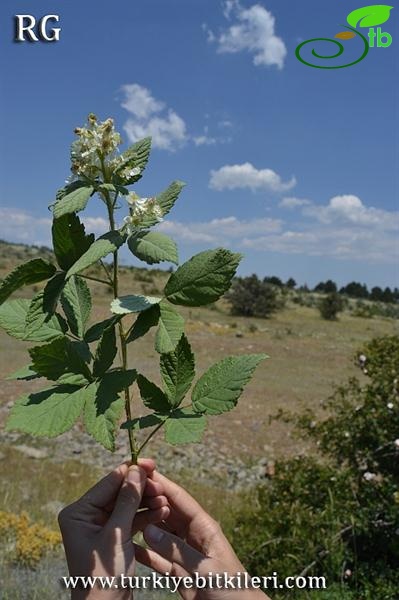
x: 293, y: 166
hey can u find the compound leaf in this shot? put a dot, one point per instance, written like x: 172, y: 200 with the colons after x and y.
x: 57, y: 358
x: 13, y: 315
x: 219, y: 388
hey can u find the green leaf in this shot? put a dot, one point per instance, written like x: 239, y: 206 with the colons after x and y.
x: 33, y: 271
x: 170, y: 330
x: 104, y: 407
x: 70, y: 240
x: 104, y: 245
x: 52, y: 293
x: 218, y: 390
x: 135, y: 156
x: 95, y: 331
x: 76, y: 302
x: 152, y: 396
x: 153, y: 247
x: 57, y: 358
x: 369, y: 16
x: 202, y: 279
x: 184, y: 427
x: 166, y: 201
x: 49, y: 412
x: 75, y: 201
x: 132, y: 304
x: 144, y: 422
x: 106, y: 352
x: 36, y: 317
x: 145, y: 320
x: 26, y: 373
x: 178, y: 371
x: 13, y: 316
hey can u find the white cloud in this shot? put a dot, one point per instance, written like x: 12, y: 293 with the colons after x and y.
x: 293, y: 202
x: 151, y: 117
x: 204, y: 140
x: 253, y: 30
x: 219, y: 231
x: 350, y: 209
x: 247, y: 176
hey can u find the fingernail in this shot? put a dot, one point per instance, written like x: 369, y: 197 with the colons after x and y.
x: 133, y: 474
x: 154, y: 534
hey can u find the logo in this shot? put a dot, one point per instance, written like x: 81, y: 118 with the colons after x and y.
x: 367, y: 17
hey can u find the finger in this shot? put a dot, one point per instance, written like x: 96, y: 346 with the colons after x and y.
x: 145, y: 517
x: 128, y: 502
x: 148, y: 464
x: 154, y: 502
x: 105, y: 491
x: 179, y: 498
x: 175, y: 550
x: 153, y: 488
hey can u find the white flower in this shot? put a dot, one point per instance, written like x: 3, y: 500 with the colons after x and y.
x: 396, y: 444
x: 127, y: 173
x: 369, y: 476
x: 390, y: 405
x: 140, y: 209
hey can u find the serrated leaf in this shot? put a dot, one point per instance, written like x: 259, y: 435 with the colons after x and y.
x: 152, y: 396
x: 95, y: 331
x: 57, y: 358
x: 47, y: 413
x: 106, y: 352
x: 219, y: 388
x: 184, y: 427
x: 133, y: 304
x: 13, y: 316
x: 369, y: 16
x: 153, y: 247
x: 178, y: 371
x: 170, y: 330
x: 75, y: 201
x: 52, y: 293
x: 33, y: 271
x: 166, y: 201
x: 36, y: 317
x: 202, y: 279
x: 104, y: 245
x: 104, y: 408
x: 145, y: 320
x: 135, y: 156
x: 144, y: 422
x: 69, y: 240
x: 26, y: 373
x: 76, y: 302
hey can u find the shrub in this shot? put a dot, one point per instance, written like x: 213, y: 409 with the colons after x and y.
x: 330, y: 306
x: 337, y: 514
x: 251, y: 297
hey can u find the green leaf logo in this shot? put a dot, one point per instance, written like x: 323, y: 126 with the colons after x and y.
x: 369, y: 16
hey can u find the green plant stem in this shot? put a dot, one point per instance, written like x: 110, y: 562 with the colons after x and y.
x: 96, y: 279
x: 153, y: 432
x: 122, y: 337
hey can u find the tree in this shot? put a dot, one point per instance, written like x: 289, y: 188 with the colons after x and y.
x: 377, y: 294
x: 355, y: 290
x: 273, y: 280
x: 291, y: 283
x: 251, y: 297
x: 330, y: 306
x: 326, y: 287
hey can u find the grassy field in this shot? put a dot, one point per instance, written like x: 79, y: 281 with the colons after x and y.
x: 308, y: 356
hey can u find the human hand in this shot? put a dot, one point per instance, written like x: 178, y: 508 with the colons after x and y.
x: 191, y: 541
x: 97, y: 529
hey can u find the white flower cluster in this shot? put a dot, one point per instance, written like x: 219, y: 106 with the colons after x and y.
x: 139, y: 210
x: 97, y: 144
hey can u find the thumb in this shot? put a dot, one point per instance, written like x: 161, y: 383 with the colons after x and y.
x: 128, y: 501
